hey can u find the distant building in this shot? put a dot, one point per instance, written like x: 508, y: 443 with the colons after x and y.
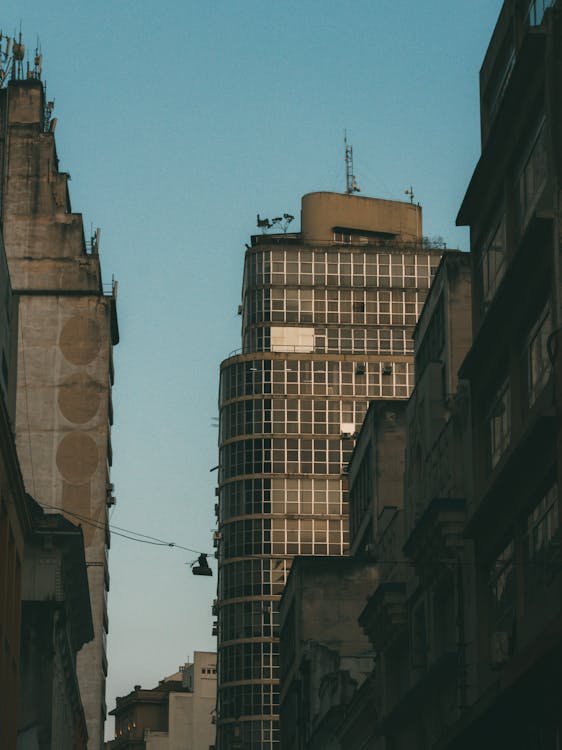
x: 180, y: 712
x: 67, y: 327
x: 327, y: 317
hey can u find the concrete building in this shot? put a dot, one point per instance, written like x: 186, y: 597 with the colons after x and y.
x: 56, y: 623
x: 15, y: 521
x: 67, y: 327
x: 512, y: 206
x: 416, y: 618
x: 327, y: 317
x: 325, y: 656
x: 178, y: 714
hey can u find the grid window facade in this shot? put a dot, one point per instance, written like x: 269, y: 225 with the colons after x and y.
x: 248, y: 700
x: 347, y: 267
x: 308, y: 536
x: 288, y: 420
x: 285, y: 456
x: 250, y: 619
x: 252, y: 735
x: 245, y: 498
x: 260, y: 577
x: 249, y: 661
x: 248, y: 537
x: 356, y: 307
x: 308, y: 377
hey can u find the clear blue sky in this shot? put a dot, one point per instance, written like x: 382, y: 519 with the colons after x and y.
x: 178, y: 122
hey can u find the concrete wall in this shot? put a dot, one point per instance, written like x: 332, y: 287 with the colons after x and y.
x: 321, y: 212
x: 66, y: 331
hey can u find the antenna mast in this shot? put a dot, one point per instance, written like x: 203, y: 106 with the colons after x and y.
x: 351, y: 185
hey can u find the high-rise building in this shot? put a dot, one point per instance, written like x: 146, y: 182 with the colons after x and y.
x: 327, y: 319
x: 67, y: 328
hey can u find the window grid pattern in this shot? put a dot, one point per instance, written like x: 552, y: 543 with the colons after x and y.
x: 249, y: 537
x: 400, y: 307
x: 285, y: 456
x: 246, y: 497
x: 339, y: 268
x: 261, y: 577
x: 308, y: 536
x: 253, y: 619
x: 249, y: 661
x: 254, y: 735
x: 248, y: 700
x: 315, y: 377
x: 293, y: 496
x: 290, y: 416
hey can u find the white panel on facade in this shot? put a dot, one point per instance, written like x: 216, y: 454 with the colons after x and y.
x: 292, y: 339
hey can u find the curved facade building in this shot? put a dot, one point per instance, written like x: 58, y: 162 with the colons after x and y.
x: 327, y: 320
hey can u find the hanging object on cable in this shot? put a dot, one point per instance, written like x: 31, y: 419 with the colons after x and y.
x: 202, y: 567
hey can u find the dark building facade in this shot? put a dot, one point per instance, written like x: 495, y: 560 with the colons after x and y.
x: 56, y: 622
x: 512, y: 206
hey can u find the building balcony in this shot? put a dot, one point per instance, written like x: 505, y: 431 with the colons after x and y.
x: 437, y: 538
x: 386, y: 616
x: 508, y: 108
x: 534, y: 445
x: 509, y: 304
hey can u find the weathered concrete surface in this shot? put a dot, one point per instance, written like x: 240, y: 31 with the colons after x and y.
x: 67, y: 327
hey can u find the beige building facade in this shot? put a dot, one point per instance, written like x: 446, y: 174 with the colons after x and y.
x: 67, y: 328
x: 327, y: 318
x: 178, y: 714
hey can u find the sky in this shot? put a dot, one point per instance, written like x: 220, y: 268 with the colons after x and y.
x: 179, y: 121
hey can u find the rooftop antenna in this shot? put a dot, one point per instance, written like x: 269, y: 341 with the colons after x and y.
x: 37, y: 61
x: 410, y: 192
x: 5, y: 56
x: 18, y: 55
x: 351, y: 185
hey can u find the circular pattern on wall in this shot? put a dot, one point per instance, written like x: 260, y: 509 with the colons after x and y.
x: 77, y: 457
x: 80, y: 340
x: 79, y: 397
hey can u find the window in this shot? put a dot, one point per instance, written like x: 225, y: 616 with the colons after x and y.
x: 502, y: 590
x: 538, y: 360
x: 536, y: 11
x: 532, y: 176
x: 499, y: 423
x: 420, y: 640
x: 493, y: 261
x: 543, y: 539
